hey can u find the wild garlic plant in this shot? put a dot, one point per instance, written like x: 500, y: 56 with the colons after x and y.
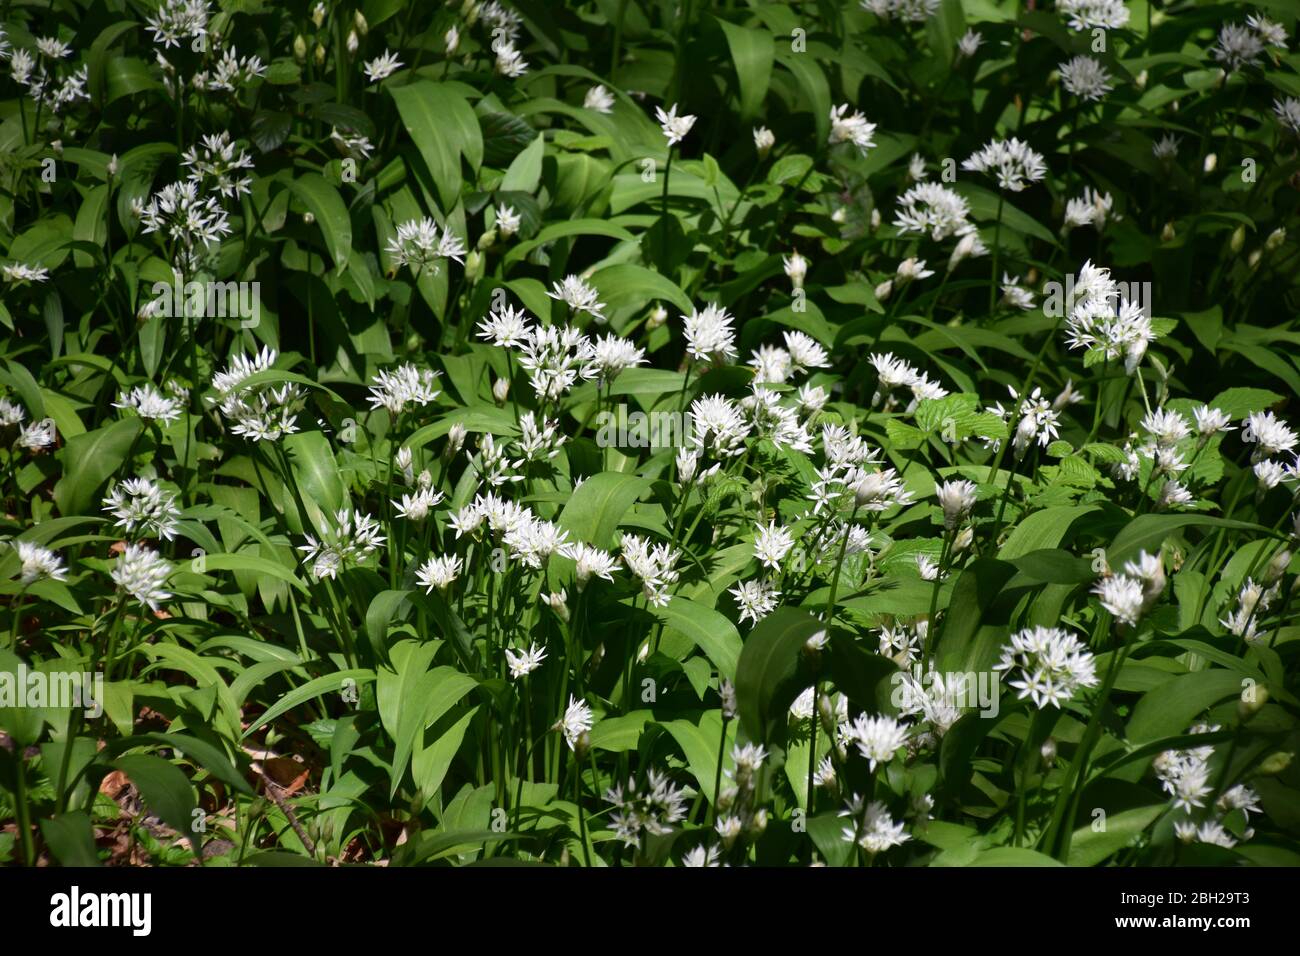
x: 755, y: 435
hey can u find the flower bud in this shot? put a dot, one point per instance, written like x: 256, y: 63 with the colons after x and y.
x: 727, y: 691
x: 452, y: 40
x: 359, y: 20
x: 1211, y: 160
x: 1277, y: 567
x: 501, y: 390
x: 1248, y: 707
x: 487, y: 240
x: 1238, y: 239
x: 455, y: 439
x: 320, y: 55
x: 1048, y: 752
x: 353, y: 42
x: 318, y: 15
x: 1275, y: 763
x: 300, y: 48
x: 884, y: 290
x: 1167, y: 234
x: 1252, y: 260
x: 473, y: 265
x: 1275, y: 238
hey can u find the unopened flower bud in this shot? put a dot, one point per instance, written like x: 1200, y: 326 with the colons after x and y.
x: 1048, y: 752
x: 963, y: 539
x: 300, y: 48
x: 1275, y: 763
x: 473, y: 265
x: 1275, y: 238
x: 1250, y: 704
x: 1277, y: 567
x: 318, y: 15
x: 1211, y: 160
x: 884, y: 290
x: 353, y: 42
x: 1252, y: 260
x: 727, y: 691
x: 501, y: 390
x: 1238, y: 239
x: 452, y: 40
x: 487, y: 240
x: 320, y: 55
x: 455, y: 439
x: 1167, y: 234
x: 359, y: 20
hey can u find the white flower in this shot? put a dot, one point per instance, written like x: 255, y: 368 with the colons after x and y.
x: 1269, y: 33
x: 451, y: 40
x: 523, y: 663
x: 877, y: 738
x: 1101, y: 320
x: 142, y: 574
x: 701, y: 856
x: 139, y: 502
x: 1123, y: 596
x: 264, y: 412
x: 578, y: 296
x: 554, y: 357
x: 1288, y: 113
x: 957, y: 498
x: 805, y: 352
x: 599, y: 99
x: 1011, y: 161
x: 505, y: 328
x: 37, y: 435
x: 709, y: 334
x: 1085, y: 77
x: 39, y: 563
x: 1210, y: 421
x: 577, y: 720
x: 970, y: 246
x: 772, y: 544
x: 1014, y: 295
x: 969, y: 43
x: 1090, y: 14
x: 439, y: 572
x: 652, y: 809
x: 911, y: 268
x: 508, y: 221
x: 592, y: 562
x: 853, y: 128
x: 1270, y: 435
x: 510, y: 62
x: 675, y: 127
x: 764, y: 140
x: 416, y: 507
x: 655, y: 566
x: 215, y: 164
x: 718, y: 426
x: 351, y: 538
x: 16, y: 272
x: 1166, y: 147
x: 1052, y: 665
x: 1237, y: 46
x: 935, y: 209
x: 178, y: 20
x: 404, y: 386
x: 613, y: 355
x: 876, y: 831
x: 756, y: 599
x: 418, y: 245
x: 796, y: 267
